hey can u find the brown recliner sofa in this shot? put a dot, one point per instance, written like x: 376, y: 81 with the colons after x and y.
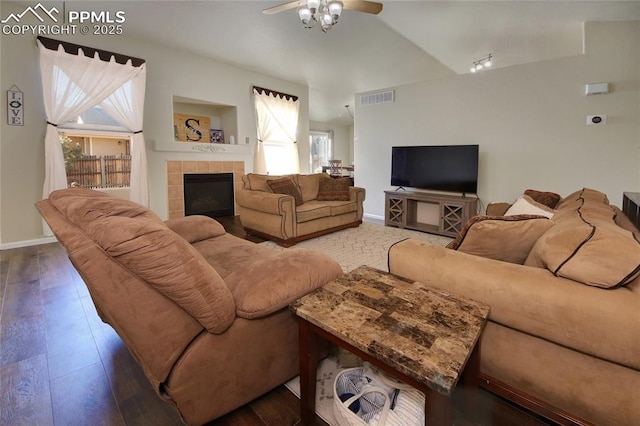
x: 204, y: 313
x: 277, y: 216
x: 563, y: 336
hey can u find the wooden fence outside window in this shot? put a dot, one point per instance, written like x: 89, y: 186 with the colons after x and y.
x: 100, y: 171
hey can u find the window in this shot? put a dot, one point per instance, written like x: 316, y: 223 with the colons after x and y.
x: 95, y: 156
x: 320, y: 149
x: 97, y: 160
x: 277, y: 126
x: 75, y: 86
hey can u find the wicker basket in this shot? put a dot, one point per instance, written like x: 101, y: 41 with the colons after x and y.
x: 364, y: 396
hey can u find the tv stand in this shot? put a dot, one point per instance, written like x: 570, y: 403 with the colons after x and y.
x: 440, y: 214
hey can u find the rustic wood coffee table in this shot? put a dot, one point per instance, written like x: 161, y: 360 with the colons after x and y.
x: 423, y: 337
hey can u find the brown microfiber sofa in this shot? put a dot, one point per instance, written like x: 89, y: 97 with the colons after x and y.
x: 563, y: 336
x: 204, y: 313
x: 276, y: 216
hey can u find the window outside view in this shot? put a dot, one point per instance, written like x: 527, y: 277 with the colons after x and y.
x: 320, y: 148
x: 95, y: 156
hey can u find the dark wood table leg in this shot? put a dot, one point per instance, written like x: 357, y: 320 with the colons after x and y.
x: 470, y: 385
x: 308, y: 342
x: 438, y: 409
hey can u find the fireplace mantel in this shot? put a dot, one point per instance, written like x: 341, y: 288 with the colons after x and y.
x: 203, y: 148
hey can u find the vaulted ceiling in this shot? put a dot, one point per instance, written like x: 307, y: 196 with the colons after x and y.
x: 409, y: 41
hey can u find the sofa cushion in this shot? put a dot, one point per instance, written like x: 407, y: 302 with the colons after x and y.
x: 285, y: 186
x: 333, y: 189
x: 549, y: 199
x: 169, y: 264
x: 505, y: 238
x: 309, y: 185
x: 341, y: 207
x: 196, y: 228
x: 587, y: 246
x: 312, y: 210
x: 292, y: 274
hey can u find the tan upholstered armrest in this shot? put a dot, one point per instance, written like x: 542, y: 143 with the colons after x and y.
x: 603, y: 323
x: 356, y: 193
x: 266, y: 202
x: 196, y: 228
x: 271, y: 284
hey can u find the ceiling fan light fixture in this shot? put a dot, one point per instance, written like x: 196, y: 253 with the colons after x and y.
x: 326, y: 12
x: 313, y: 5
x: 335, y: 9
x: 305, y: 14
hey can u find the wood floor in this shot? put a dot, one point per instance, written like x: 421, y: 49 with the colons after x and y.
x: 60, y: 365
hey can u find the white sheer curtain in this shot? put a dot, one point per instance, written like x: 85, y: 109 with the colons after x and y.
x: 73, y: 84
x: 277, y: 124
x: 126, y: 105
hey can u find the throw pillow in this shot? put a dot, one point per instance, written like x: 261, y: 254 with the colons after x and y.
x: 287, y: 187
x: 504, y: 238
x: 333, y: 189
x: 526, y: 205
x: 549, y: 199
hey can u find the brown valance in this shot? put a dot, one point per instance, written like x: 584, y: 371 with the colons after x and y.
x: 262, y: 90
x: 73, y: 49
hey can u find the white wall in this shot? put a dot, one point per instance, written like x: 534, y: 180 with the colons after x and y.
x: 169, y: 72
x: 529, y: 120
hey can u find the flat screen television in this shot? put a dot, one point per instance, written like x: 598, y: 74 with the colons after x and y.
x: 449, y: 168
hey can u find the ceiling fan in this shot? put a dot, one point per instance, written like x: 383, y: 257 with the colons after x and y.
x: 326, y: 12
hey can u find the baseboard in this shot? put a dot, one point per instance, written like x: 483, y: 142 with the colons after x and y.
x: 28, y: 243
x: 372, y: 218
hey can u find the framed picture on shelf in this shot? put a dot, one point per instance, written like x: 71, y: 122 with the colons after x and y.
x: 216, y: 136
x: 191, y: 128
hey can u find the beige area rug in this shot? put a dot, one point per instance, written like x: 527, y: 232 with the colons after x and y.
x: 367, y: 244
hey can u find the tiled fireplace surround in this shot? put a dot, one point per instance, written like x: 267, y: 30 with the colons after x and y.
x: 176, y: 170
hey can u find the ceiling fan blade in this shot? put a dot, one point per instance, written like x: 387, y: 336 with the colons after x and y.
x: 363, y: 6
x: 281, y: 8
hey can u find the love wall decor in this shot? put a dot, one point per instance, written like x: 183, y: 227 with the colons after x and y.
x: 15, y: 107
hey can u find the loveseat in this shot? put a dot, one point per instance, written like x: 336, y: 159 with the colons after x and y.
x: 291, y: 208
x: 193, y: 304
x: 563, y: 336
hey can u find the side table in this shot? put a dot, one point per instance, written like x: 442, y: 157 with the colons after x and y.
x: 422, y: 337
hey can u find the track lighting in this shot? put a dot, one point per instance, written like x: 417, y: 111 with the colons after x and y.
x: 482, y: 64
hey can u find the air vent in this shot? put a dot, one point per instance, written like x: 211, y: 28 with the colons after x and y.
x: 377, y: 98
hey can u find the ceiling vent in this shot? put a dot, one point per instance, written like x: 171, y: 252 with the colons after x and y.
x: 377, y: 98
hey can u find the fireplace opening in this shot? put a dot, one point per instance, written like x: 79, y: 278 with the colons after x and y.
x: 209, y: 194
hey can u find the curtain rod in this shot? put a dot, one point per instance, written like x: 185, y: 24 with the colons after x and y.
x: 104, y: 55
x: 273, y: 92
